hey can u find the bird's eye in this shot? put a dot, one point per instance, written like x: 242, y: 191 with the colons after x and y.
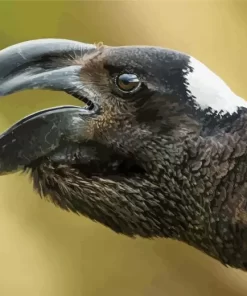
x: 128, y: 82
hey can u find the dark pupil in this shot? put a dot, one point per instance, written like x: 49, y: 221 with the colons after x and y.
x: 125, y: 80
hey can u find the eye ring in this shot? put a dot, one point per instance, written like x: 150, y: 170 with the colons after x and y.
x: 127, y: 82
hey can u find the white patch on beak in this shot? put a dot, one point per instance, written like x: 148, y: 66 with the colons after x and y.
x: 209, y: 90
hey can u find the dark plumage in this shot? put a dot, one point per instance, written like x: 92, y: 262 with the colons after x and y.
x: 159, y: 151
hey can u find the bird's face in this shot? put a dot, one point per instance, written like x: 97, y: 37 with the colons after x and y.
x: 132, y: 99
x: 119, y: 159
x: 134, y: 96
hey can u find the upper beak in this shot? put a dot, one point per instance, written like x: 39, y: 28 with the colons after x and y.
x: 46, y: 64
x: 42, y: 63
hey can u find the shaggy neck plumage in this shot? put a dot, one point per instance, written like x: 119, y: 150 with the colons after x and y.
x: 213, y: 122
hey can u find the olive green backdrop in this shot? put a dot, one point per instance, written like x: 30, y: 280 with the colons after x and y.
x: 45, y: 251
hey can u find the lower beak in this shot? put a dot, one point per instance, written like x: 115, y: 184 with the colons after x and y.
x: 39, y: 134
x: 45, y: 64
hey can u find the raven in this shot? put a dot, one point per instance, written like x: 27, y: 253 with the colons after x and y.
x: 159, y: 150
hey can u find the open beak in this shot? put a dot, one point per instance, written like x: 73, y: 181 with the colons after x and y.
x: 41, y: 64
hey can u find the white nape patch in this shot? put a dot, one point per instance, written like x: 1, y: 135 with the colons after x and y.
x: 210, y: 90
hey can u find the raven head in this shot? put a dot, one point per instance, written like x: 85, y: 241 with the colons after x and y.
x: 146, y: 156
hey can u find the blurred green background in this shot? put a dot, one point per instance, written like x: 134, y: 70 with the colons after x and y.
x: 45, y: 251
